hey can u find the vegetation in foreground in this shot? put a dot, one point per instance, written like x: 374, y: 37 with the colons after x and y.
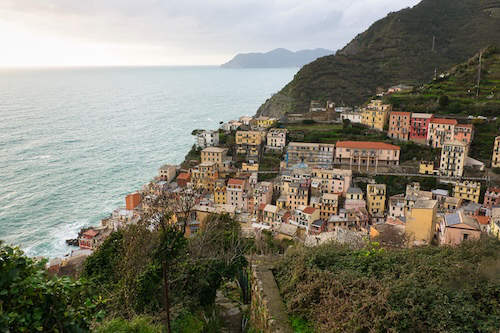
x: 428, y: 289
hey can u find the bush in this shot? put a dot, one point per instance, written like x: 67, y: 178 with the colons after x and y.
x: 140, y: 324
x: 427, y: 289
x: 32, y: 301
x: 496, y: 170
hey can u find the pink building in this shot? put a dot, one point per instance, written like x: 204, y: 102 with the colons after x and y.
x: 458, y: 227
x: 419, y: 125
x: 464, y: 133
x: 399, y: 125
x: 366, y: 154
x: 492, y: 197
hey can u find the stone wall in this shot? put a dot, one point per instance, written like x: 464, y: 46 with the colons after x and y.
x: 267, y: 310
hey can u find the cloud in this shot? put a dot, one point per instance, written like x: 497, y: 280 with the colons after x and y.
x: 196, y: 29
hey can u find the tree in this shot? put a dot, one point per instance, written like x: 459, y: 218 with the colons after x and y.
x: 31, y: 300
x: 444, y: 100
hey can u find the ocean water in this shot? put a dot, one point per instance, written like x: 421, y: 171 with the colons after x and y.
x: 74, y: 142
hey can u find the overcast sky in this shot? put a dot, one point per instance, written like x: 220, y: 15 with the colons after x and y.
x: 175, y: 32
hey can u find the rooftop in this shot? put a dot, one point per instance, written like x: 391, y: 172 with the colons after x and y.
x: 445, y: 121
x: 425, y: 204
x: 422, y: 115
x: 214, y: 150
x: 234, y: 181
x: 366, y: 145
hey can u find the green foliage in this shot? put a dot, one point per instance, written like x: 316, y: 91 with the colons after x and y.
x: 427, y: 289
x: 32, y: 301
x: 140, y: 324
x: 412, y: 151
x: 397, y: 185
x: 188, y: 323
x: 300, y: 325
x: 269, y: 162
x: 496, y: 170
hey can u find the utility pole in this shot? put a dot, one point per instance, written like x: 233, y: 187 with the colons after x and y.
x: 433, y: 43
x: 435, y: 73
x: 479, y: 73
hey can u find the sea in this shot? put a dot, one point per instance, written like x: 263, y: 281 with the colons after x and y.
x: 75, y: 141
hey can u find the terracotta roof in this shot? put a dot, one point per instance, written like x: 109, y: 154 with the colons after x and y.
x: 262, y: 206
x: 366, y: 145
x: 234, y: 181
x: 422, y: 115
x: 91, y: 233
x: 493, y: 189
x: 309, y: 210
x: 466, y: 125
x: 184, y: 176
x: 400, y: 113
x: 483, y: 220
x: 444, y: 121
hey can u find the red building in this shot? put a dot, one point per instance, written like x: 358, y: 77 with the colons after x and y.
x: 492, y: 197
x: 419, y: 127
x: 183, y: 178
x: 132, y: 200
x: 89, y: 239
x: 399, y: 125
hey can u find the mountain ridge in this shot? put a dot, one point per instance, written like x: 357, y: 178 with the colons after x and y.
x: 276, y: 58
x: 405, y: 46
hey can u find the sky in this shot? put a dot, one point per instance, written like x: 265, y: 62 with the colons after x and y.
x: 46, y: 33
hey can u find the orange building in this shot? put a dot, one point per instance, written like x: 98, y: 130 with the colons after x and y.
x: 132, y: 200
x: 399, y: 125
x: 183, y: 178
x: 464, y: 133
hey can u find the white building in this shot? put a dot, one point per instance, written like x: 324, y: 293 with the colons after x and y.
x: 206, y: 139
x: 276, y: 139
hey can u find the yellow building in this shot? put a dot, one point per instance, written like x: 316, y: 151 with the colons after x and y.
x: 249, y: 142
x: 495, y: 159
x: 298, y: 195
x: 426, y: 168
x: 328, y: 205
x: 375, y: 115
x: 467, y: 190
x: 215, y: 155
x: 220, y: 192
x: 250, y: 167
x: 375, y: 197
x: 421, y: 222
x: 264, y: 122
x: 453, y: 156
x: 495, y: 222
x: 204, y: 175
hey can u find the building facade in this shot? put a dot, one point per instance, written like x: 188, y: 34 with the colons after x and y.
x: 453, y: 156
x: 314, y: 154
x: 276, y: 139
x: 366, y: 154
x: 399, y: 125
x: 467, y: 190
x: 441, y: 130
x: 375, y: 115
x: 495, y: 158
x: 464, y: 133
x: 375, y: 199
x: 419, y: 126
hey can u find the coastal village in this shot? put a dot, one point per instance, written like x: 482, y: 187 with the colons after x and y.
x: 263, y: 172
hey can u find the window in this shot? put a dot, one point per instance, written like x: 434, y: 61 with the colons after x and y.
x: 466, y: 236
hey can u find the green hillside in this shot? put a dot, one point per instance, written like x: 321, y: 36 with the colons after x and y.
x: 395, y: 49
x: 456, y: 91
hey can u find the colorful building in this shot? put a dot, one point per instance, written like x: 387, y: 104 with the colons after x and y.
x: 458, y: 227
x: 332, y: 180
x: 453, y: 156
x: 263, y: 122
x: 167, y: 172
x: 375, y: 198
x: 421, y: 222
x: 492, y: 197
x: 464, y: 133
x: 215, y: 155
x: 467, y: 190
x: 426, y: 168
x: 365, y: 154
x: 220, y: 192
x: 249, y: 142
x: 183, y: 179
x: 132, y: 200
x: 298, y: 195
x: 495, y: 158
x: 236, y: 194
x: 399, y: 125
x: 441, y: 130
x: 354, y: 198
x: 375, y: 115
x: 419, y: 126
